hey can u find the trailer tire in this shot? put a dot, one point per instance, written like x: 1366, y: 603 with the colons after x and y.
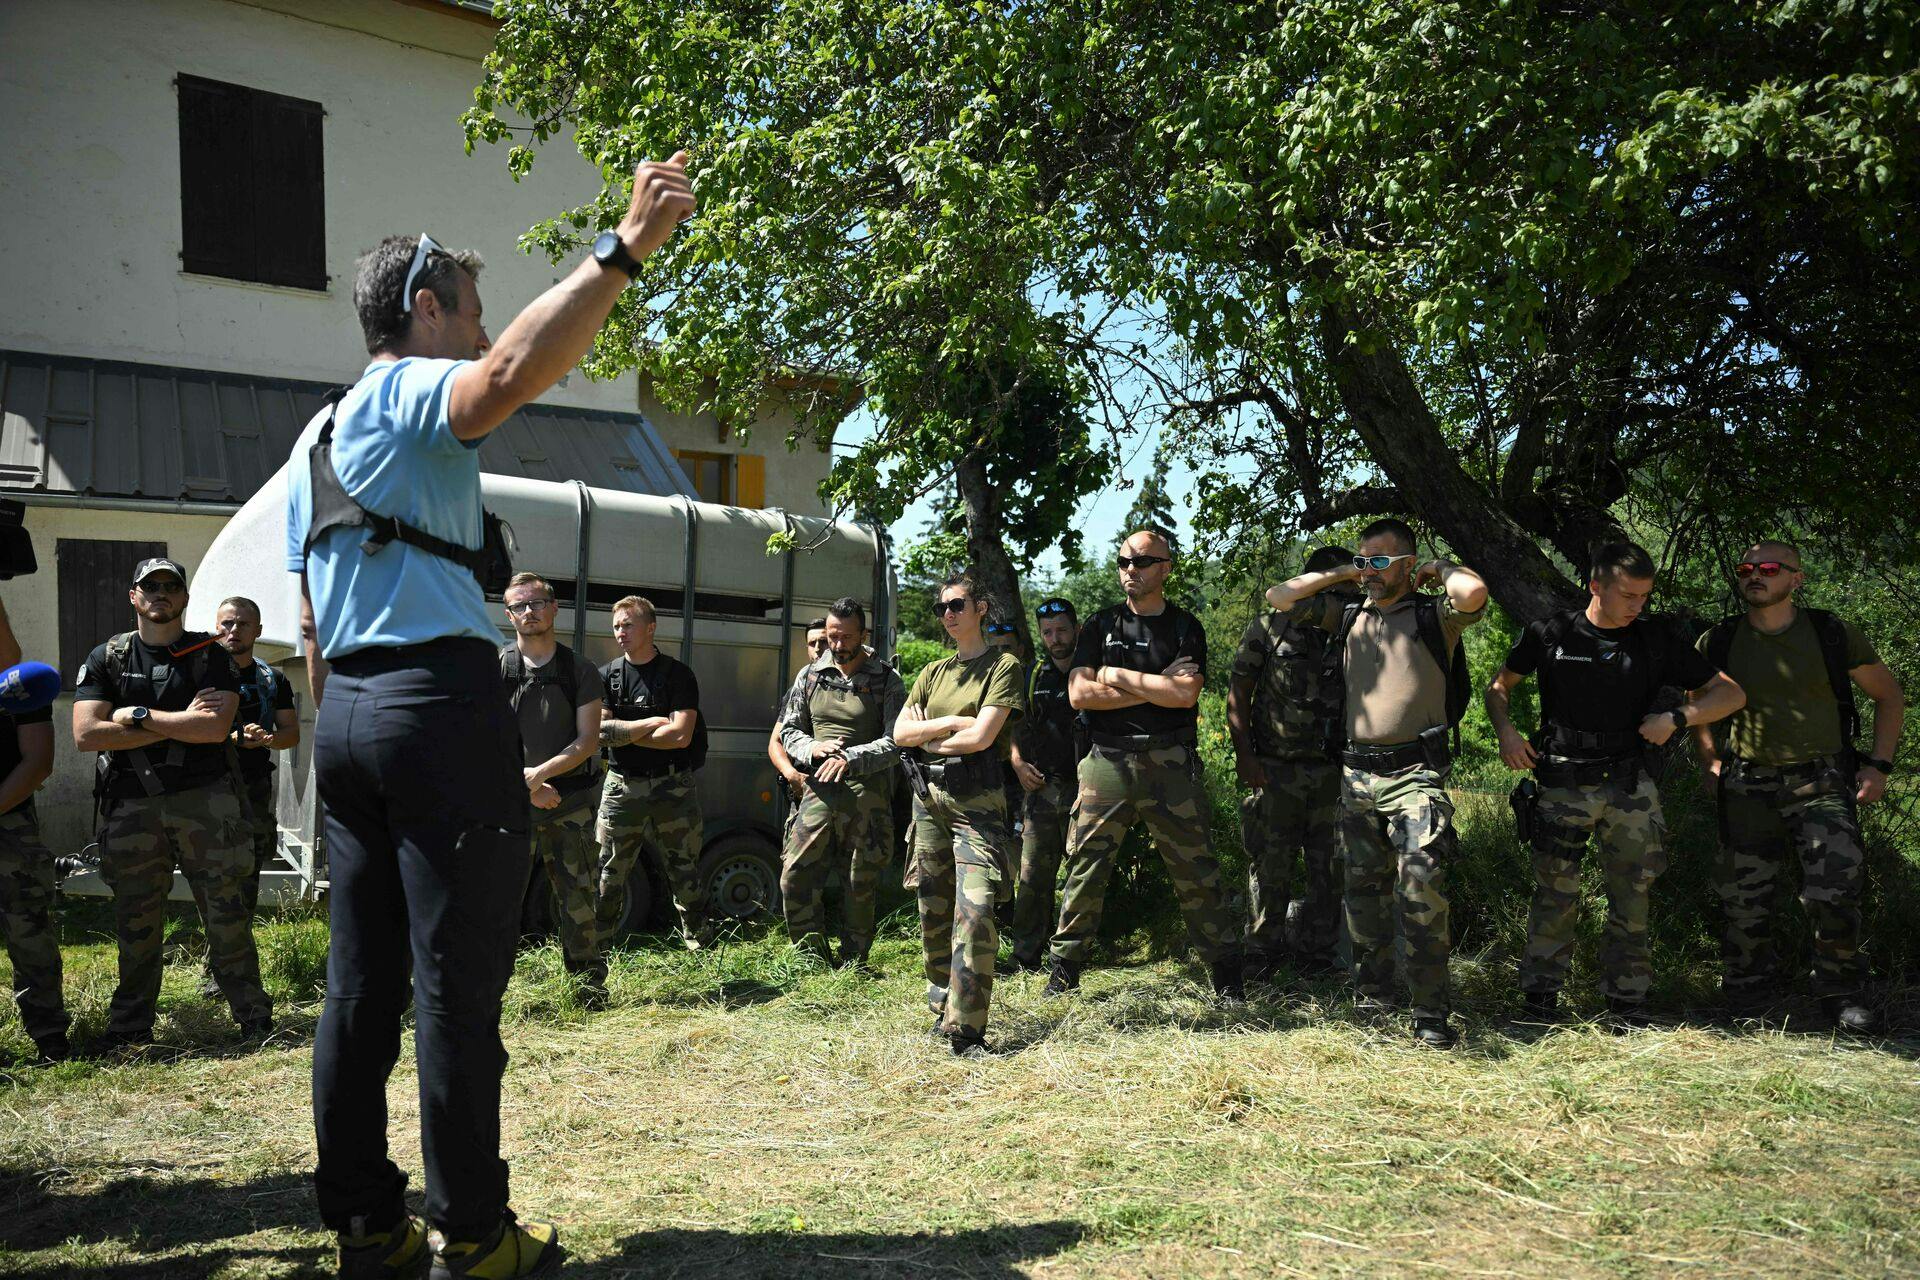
x: 741, y: 872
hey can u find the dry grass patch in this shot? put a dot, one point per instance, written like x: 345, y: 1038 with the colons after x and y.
x: 748, y: 1113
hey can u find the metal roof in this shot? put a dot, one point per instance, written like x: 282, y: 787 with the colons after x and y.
x: 110, y: 428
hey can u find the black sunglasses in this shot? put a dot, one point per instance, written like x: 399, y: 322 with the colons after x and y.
x: 954, y: 605
x: 1142, y: 562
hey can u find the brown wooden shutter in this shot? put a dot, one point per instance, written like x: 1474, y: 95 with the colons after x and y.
x: 290, y: 225
x: 216, y: 161
x: 92, y: 578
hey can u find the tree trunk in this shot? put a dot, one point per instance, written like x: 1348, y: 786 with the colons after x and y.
x: 1391, y: 417
x: 985, y: 547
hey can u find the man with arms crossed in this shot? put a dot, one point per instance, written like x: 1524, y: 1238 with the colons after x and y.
x: 1047, y: 746
x: 653, y: 711
x: 415, y: 749
x: 1788, y: 779
x: 1396, y: 820
x: 1138, y: 668
x: 556, y: 698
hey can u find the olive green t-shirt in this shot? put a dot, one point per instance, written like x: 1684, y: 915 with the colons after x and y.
x: 1395, y: 690
x: 950, y: 687
x: 1791, y: 714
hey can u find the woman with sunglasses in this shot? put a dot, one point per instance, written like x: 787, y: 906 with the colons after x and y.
x: 954, y: 729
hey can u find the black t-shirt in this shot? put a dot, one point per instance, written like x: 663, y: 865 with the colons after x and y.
x: 660, y: 688
x: 164, y: 679
x: 547, y: 699
x: 263, y: 692
x: 10, y: 754
x: 1118, y: 637
x: 1604, y: 679
x: 1050, y: 736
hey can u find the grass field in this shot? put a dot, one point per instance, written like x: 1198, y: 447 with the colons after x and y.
x: 747, y: 1113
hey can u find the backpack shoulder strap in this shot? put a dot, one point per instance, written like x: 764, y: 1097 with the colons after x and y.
x: 567, y: 670
x: 1426, y: 623
x: 513, y: 666
x: 1833, y: 649
x: 1720, y: 641
x: 117, y: 649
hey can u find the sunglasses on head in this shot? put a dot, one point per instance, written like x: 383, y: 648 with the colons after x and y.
x: 1378, y: 562
x: 1142, y: 562
x: 1000, y: 629
x: 954, y: 605
x: 1050, y: 608
x: 426, y: 246
x: 1765, y: 568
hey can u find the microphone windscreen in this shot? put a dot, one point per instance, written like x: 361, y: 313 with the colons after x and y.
x: 28, y: 686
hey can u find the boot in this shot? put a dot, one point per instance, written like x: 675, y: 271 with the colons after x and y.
x: 1062, y: 976
x: 1434, y: 1033
x: 1539, y: 1006
x: 1851, y: 1015
x: 399, y: 1252
x: 514, y: 1249
x: 1228, y: 981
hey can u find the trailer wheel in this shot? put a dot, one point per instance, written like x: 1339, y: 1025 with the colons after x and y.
x: 742, y: 876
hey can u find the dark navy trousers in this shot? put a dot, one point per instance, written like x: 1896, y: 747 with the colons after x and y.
x: 417, y: 755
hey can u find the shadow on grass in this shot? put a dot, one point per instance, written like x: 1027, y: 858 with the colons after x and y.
x: 153, y: 1213
x: 985, y: 1253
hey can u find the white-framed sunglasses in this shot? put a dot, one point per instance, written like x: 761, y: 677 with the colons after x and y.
x: 1379, y: 563
x: 426, y: 247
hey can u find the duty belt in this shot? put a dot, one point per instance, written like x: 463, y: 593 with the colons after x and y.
x: 1385, y: 759
x: 1143, y: 741
x: 1607, y: 743
x: 1799, y: 768
x: 1590, y: 773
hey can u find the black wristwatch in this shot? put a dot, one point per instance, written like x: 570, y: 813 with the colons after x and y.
x: 1679, y: 718
x: 1876, y: 762
x: 139, y: 717
x: 610, y: 251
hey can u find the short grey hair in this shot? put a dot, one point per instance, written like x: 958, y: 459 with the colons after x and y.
x: 381, y: 275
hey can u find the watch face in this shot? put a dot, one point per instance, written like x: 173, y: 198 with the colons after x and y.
x: 606, y: 246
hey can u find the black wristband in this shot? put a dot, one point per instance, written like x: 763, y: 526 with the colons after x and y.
x: 1876, y: 762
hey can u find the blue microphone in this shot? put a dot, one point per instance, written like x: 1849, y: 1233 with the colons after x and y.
x: 28, y: 686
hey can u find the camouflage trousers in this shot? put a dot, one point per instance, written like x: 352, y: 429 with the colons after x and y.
x: 1769, y: 813
x: 1043, y: 843
x: 661, y: 811
x: 141, y: 839
x: 1163, y: 788
x: 1397, y: 829
x: 570, y: 861
x: 961, y: 851
x: 838, y: 831
x: 1624, y: 815
x: 26, y: 911
x: 263, y: 833
x: 1298, y: 809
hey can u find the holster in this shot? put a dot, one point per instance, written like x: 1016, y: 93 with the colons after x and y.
x: 916, y: 772
x: 1525, y: 799
x: 1434, y: 749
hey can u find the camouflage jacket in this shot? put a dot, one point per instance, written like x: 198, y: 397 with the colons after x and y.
x: 1294, y: 707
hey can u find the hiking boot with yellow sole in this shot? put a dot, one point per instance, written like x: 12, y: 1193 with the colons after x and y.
x: 400, y: 1253
x: 516, y: 1249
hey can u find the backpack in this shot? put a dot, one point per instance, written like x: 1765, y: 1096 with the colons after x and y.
x: 334, y: 508
x: 267, y: 681
x: 696, y: 747
x: 1426, y: 623
x: 1832, y: 634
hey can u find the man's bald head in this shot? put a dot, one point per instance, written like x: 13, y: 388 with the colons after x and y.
x: 1148, y: 542
x: 1774, y: 549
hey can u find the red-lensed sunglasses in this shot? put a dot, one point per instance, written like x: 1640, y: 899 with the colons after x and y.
x: 1765, y: 568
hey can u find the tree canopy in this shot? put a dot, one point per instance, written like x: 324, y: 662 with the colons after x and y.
x: 1521, y: 271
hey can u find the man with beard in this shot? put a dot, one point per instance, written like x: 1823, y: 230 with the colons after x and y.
x: 837, y: 728
x: 265, y: 723
x: 1047, y: 748
x: 1787, y: 776
x: 157, y: 703
x: 796, y: 781
x: 1282, y: 705
x: 556, y: 698
x: 1138, y: 668
x: 1398, y: 651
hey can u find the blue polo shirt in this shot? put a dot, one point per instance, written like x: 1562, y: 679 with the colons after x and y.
x: 396, y: 454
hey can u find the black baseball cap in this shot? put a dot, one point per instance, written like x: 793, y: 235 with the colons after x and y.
x: 159, y: 564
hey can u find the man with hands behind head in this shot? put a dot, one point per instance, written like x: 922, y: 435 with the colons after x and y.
x: 1396, y: 649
